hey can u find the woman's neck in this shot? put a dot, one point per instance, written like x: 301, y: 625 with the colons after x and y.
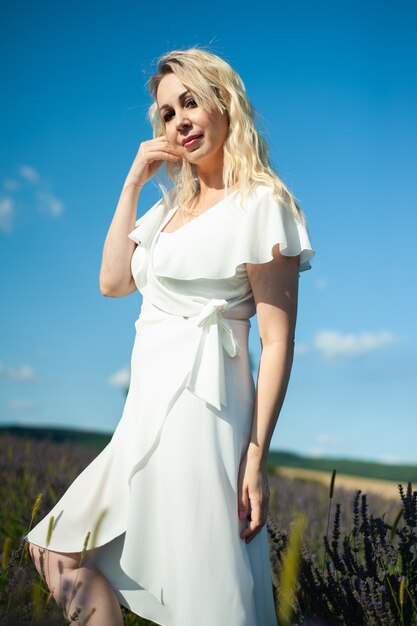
x: 210, y: 182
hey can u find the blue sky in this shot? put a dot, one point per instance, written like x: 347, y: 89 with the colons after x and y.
x: 335, y: 85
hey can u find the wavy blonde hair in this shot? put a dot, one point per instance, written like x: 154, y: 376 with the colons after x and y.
x: 214, y: 84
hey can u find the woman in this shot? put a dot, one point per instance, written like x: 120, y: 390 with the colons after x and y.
x: 176, y: 504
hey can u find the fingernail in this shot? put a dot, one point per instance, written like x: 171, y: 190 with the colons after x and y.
x: 242, y: 514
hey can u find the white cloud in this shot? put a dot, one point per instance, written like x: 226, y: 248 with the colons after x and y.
x: 326, y: 444
x: 121, y: 378
x: 30, y: 173
x: 328, y: 439
x: 390, y: 459
x: 334, y: 345
x: 25, y: 197
x: 10, y: 184
x: 321, y: 283
x: 6, y: 213
x: 19, y: 404
x: 24, y: 372
x: 50, y: 203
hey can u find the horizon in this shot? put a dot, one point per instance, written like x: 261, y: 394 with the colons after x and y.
x: 271, y: 450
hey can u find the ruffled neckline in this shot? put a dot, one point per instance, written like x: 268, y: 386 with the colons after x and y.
x: 213, y: 206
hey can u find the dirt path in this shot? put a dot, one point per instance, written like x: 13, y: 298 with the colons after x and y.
x: 384, y: 488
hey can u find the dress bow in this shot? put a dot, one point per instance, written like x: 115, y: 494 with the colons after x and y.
x: 207, y: 375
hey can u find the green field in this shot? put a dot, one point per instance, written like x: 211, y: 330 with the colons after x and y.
x: 352, y: 467
x: 348, y: 536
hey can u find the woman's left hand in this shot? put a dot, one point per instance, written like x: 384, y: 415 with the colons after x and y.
x: 253, y: 496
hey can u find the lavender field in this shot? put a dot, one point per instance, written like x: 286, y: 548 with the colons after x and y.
x: 337, y: 556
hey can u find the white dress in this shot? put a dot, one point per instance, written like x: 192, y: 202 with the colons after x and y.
x: 160, y: 500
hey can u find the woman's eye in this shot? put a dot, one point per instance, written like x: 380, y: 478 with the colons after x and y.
x: 167, y: 116
x: 188, y: 103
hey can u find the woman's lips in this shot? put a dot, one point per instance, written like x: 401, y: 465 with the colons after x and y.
x: 191, y: 141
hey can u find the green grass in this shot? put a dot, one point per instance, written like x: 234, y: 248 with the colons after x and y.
x: 352, y: 467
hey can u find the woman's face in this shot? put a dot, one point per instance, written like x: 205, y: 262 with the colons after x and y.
x: 196, y: 135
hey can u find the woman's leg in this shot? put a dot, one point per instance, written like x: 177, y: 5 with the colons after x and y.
x: 78, y: 588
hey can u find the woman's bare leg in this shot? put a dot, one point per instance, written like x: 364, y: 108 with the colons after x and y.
x: 78, y: 588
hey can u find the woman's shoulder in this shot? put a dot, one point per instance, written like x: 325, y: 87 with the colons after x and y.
x: 265, y: 193
x: 255, y: 191
x: 264, y: 197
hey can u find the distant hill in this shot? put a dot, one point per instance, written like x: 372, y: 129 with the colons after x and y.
x: 85, y: 438
x: 352, y: 467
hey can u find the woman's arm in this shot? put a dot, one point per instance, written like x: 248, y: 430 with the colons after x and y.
x: 275, y: 289
x: 115, y: 274
x: 116, y: 278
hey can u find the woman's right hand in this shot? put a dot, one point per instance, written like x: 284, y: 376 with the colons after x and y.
x: 149, y: 158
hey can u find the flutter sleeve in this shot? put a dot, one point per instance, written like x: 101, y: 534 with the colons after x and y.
x: 231, y: 234
x: 143, y: 233
x: 146, y: 224
x: 269, y: 222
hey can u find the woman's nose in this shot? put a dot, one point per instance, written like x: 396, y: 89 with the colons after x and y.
x: 182, y: 121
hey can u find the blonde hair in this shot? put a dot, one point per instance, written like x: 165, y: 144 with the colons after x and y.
x: 214, y: 84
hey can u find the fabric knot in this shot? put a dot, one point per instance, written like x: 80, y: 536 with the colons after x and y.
x: 207, y: 376
x: 209, y: 310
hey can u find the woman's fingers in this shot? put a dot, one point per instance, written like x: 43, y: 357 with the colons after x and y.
x: 161, y: 155
x: 154, y: 152
x: 257, y: 516
x: 255, y: 524
x: 150, y: 156
x: 160, y: 144
x: 253, y: 497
